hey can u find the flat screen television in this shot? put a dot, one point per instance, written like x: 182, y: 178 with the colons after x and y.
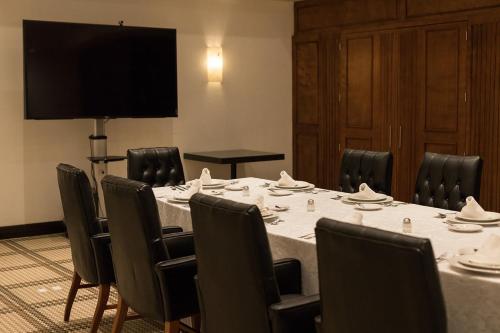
x: 98, y: 71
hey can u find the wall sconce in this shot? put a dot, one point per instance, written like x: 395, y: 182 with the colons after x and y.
x: 214, y: 64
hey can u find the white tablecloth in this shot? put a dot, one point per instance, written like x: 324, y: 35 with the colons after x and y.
x: 472, y: 301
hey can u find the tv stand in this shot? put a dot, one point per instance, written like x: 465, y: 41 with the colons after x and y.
x: 99, y: 159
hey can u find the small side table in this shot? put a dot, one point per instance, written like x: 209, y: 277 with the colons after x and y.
x: 233, y: 157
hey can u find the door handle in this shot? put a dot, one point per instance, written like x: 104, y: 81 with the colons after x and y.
x: 390, y: 137
x: 399, y: 143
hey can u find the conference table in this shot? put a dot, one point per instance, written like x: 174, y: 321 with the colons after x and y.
x: 472, y: 300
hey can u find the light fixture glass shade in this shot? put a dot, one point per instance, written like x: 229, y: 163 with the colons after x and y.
x: 215, y: 64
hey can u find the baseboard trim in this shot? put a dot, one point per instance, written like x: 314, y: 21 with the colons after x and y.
x: 34, y: 229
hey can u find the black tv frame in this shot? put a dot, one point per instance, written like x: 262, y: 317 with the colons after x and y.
x: 62, y: 117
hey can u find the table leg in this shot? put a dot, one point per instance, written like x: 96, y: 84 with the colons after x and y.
x: 233, y: 170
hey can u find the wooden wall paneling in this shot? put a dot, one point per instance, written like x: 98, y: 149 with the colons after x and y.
x: 332, y: 40
x: 308, y: 109
x: 485, y: 108
x: 407, y: 100
x: 359, y: 108
x: 367, y: 92
x: 311, y: 15
x: 429, y: 7
x: 441, y: 118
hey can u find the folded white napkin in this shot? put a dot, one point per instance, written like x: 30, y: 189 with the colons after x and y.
x: 472, y: 209
x: 187, y: 194
x: 286, y: 180
x: 489, y: 252
x: 205, y: 177
x: 365, y: 192
x: 354, y: 218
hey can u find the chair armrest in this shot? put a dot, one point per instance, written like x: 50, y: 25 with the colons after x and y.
x: 288, y: 276
x: 170, y: 230
x: 180, y: 244
x: 178, y: 288
x: 295, y: 315
x: 103, y: 224
x: 102, y: 254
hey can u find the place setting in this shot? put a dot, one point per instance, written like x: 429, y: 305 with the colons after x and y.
x: 472, y: 218
x: 269, y: 214
x: 209, y: 183
x: 484, y: 260
x: 366, y: 199
x: 183, y: 197
x: 286, y: 185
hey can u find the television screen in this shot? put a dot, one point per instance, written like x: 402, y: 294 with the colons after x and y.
x: 98, y: 71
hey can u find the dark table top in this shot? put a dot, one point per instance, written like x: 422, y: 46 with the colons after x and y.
x: 233, y: 156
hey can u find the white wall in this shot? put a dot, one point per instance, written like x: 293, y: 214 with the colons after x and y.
x: 251, y: 109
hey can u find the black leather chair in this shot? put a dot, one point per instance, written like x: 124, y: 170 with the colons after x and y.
x: 89, y: 245
x: 154, y: 274
x: 376, y: 281
x: 445, y: 181
x: 238, y: 287
x: 363, y: 166
x: 155, y: 166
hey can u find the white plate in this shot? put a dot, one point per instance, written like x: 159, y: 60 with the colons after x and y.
x: 465, y: 227
x: 471, y: 260
x: 378, y: 197
x: 174, y: 200
x: 270, y: 217
x: 368, y: 207
x: 352, y: 202
x: 298, y: 185
x: 279, y: 193
x: 280, y: 208
x: 213, y: 192
x: 266, y: 212
x: 453, y: 261
x: 491, y: 217
x: 234, y: 187
x: 452, y: 219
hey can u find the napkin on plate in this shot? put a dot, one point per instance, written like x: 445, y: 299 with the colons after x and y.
x: 472, y: 209
x: 488, y: 253
x: 354, y: 218
x: 187, y: 194
x: 365, y: 192
x: 205, y: 177
x: 286, y: 180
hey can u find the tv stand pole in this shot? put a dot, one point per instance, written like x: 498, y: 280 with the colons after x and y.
x: 99, y: 158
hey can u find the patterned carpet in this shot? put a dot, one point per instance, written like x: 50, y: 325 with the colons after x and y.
x: 35, y: 276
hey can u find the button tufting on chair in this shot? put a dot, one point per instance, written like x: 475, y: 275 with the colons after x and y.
x: 362, y: 166
x: 444, y: 181
x: 156, y: 167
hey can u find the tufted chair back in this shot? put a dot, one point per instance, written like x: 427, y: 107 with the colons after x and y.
x: 155, y: 166
x: 445, y: 181
x: 363, y: 166
x: 80, y: 218
x: 236, y: 277
x: 388, y: 280
x: 137, y: 245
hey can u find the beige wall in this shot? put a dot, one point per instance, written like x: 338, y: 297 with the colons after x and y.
x: 251, y: 109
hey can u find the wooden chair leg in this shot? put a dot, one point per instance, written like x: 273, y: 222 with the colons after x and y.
x: 196, y: 322
x: 102, y: 302
x: 75, y: 284
x: 121, y: 315
x: 172, y: 326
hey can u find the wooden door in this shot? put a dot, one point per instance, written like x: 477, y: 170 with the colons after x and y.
x: 364, y: 119
x: 441, y: 117
x: 485, y: 108
x: 308, y: 109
